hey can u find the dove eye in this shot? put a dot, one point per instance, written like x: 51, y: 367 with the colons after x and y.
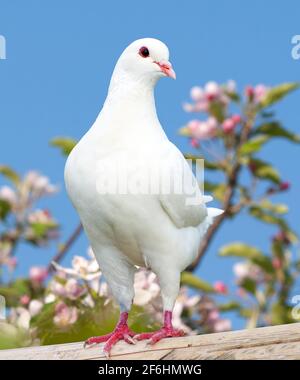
x: 144, y: 52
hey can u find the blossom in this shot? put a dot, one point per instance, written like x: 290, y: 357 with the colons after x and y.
x: 20, y: 316
x: 197, y: 93
x: 24, y: 300
x: 277, y: 263
x: 35, y: 306
x: 257, y: 93
x: 215, y: 323
x: 38, y: 274
x: 194, y: 143
x: 228, y: 125
x: 220, y: 287
x: 260, y: 91
x: 9, y: 195
x: 230, y: 86
x: 203, y: 130
x: 146, y: 287
x: 222, y: 325
x: 183, y: 302
x: 65, y: 315
x: 247, y: 269
x: 82, y: 268
x: 212, y: 90
x: 284, y: 186
x: 71, y: 289
x: 38, y: 184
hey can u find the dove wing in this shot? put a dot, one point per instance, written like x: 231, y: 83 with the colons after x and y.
x: 186, y: 208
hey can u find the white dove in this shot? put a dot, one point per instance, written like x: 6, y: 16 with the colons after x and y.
x: 123, y: 178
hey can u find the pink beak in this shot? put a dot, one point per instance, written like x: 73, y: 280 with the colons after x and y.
x: 166, y: 68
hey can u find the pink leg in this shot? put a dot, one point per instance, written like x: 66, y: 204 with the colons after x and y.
x: 166, y: 331
x: 121, y: 332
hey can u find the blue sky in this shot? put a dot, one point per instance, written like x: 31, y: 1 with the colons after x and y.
x: 60, y: 56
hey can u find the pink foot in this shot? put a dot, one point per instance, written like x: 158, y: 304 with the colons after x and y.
x: 167, y: 331
x: 121, y: 332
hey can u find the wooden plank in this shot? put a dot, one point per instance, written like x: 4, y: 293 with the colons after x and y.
x: 275, y: 342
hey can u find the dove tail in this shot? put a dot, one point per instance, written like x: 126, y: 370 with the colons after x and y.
x: 212, y: 213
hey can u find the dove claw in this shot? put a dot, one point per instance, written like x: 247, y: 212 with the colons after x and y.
x: 121, y: 332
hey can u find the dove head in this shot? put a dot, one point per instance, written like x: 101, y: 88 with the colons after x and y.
x: 144, y: 60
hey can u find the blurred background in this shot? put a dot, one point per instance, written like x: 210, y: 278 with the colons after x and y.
x: 236, y: 57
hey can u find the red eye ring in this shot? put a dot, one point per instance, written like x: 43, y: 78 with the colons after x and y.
x: 144, y: 52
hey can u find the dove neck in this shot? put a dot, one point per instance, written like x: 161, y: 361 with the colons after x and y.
x: 127, y: 93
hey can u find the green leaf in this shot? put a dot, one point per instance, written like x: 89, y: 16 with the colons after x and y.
x: 249, y: 252
x: 265, y: 263
x: 13, y: 291
x: 265, y: 171
x: 40, y: 229
x: 276, y: 93
x: 253, y: 145
x: 195, y: 282
x: 267, y: 217
x: 249, y: 285
x: 229, y: 306
x: 4, y: 209
x: 66, y: 144
x: 277, y: 208
x: 216, y: 109
x: 10, y: 174
x: 274, y: 129
x: 240, y: 250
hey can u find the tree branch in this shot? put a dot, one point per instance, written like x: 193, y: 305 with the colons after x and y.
x: 64, y: 248
x: 227, y: 202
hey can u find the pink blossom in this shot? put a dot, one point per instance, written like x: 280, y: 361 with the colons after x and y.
x: 38, y: 274
x: 228, y: 125
x: 146, y: 287
x: 212, y: 89
x: 222, y: 325
x: 236, y: 118
x: 231, y: 86
x: 24, y: 300
x: 284, y: 186
x: 203, y: 130
x: 249, y: 92
x: 260, y: 92
x: 246, y: 269
x: 65, y: 315
x: 276, y: 262
x: 220, y: 287
x: 256, y: 93
x: 40, y: 216
x: 197, y: 93
x: 73, y: 289
x: 194, y: 143
x: 39, y: 184
x: 8, y: 194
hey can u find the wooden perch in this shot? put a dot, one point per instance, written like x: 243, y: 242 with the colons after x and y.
x: 276, y: 342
